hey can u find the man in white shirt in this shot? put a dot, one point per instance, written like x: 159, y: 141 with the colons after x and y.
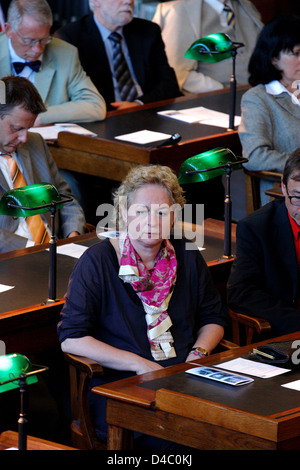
x: 184, y: 21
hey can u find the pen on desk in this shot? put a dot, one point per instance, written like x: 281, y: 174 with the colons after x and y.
x: 261, y: 353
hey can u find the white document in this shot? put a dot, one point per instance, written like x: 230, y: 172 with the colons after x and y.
x: 257, y: 369
x: 201, y: 115
x: 71, y: 249
x: 51, y: 132
x: 293, y: 385
x: 143, y: 137
x: 4, y: 288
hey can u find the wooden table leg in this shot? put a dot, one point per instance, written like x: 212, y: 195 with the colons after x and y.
x: 119, y: 438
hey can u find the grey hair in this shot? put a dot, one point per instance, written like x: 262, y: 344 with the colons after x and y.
x: 38, y: 9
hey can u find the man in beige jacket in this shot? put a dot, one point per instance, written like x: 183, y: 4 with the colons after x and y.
x: 184, y: 21
x: 66, y: 90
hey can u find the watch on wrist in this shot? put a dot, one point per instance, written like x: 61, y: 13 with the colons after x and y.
x: 200, y: 350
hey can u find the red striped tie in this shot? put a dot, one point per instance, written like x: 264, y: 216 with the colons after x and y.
x: 35, y: 222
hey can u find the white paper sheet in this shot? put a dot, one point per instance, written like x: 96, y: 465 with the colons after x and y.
x: 143, y: 137
x: 257, y: 369
x: 201, y: 115
x: 71, y: 249
x: 51, y: 132
x: 4, y: 288
x: 293, y: 385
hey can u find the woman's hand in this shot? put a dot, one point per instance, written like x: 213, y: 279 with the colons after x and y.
x: 192, y: 357
x: 144, y: 366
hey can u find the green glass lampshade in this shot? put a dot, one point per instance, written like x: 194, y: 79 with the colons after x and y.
x: 207, y: 165
x: 29, y: 200
x: 212, y: 48
x: 12, y: 366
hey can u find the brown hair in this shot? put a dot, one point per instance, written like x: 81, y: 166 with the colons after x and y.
x: 292, y: 167
x: 21, y: 92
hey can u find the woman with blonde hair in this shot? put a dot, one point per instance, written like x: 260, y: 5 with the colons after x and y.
x: 141, y: 301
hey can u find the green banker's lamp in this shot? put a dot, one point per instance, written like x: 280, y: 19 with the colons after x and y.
x: 32, y: 200
x: 16, y: 371
x: 215, y: 48
x: 208, y: 165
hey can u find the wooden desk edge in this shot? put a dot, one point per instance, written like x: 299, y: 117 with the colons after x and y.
x: 128, y: 390
x: 9, y: 439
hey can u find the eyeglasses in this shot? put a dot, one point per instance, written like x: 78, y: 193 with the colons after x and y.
x: 33, y: 42
x: 294, y: 200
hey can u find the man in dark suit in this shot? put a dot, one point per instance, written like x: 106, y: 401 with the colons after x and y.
x: 265, y: 278
x: 141, y: 44
x: 31, y: 155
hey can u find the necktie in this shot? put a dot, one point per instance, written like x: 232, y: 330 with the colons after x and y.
x: 35, y: 222
x: 125, y: 83
x: 19, y: 66
x: 230, y: 16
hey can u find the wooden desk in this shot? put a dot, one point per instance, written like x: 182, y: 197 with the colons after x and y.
x: 9, y: 439
x: 29, y: 327
x: 106, y: 157
x: 220, y: 417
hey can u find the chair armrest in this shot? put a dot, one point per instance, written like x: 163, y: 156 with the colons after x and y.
x: 228, y: 345
x: 252, y: 324
x: 259, y: 324
x: 84, y: 364
x: 266, y: 175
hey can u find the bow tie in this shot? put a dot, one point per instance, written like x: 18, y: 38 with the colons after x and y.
x: 19, y: 66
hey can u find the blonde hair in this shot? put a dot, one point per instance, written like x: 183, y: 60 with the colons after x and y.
x: 142, y: 175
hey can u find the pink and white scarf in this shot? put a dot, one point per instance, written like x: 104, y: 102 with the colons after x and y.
x: 154, y: 288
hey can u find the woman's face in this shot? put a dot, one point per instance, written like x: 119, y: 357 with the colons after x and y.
x: 288, y: 63
x: 150, y: 215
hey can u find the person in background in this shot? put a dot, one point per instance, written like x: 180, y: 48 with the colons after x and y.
x: 2, y: 19
x: 141, y: 301
x: 269, y: 130
x: 264, y: 279
x: 25, y: 159
x: 28, y: 50
x: 184, y: 21
x: 124, y: 56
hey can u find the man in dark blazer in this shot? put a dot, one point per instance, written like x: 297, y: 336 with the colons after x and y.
x: 22, y: 105
x: 265, y: 277
x: 154, y: 78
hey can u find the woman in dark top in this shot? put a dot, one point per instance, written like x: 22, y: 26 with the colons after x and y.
x: 142, y: 301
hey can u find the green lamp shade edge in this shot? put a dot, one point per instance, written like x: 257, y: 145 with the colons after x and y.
x: 32, y: 196
x: 218, y: 157
x: 212, y: 48
x: 12, y: 366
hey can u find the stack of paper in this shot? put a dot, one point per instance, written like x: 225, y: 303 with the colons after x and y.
x: 201, y: 115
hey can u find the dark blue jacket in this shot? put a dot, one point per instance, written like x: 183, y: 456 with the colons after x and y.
x: 147, y: 52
